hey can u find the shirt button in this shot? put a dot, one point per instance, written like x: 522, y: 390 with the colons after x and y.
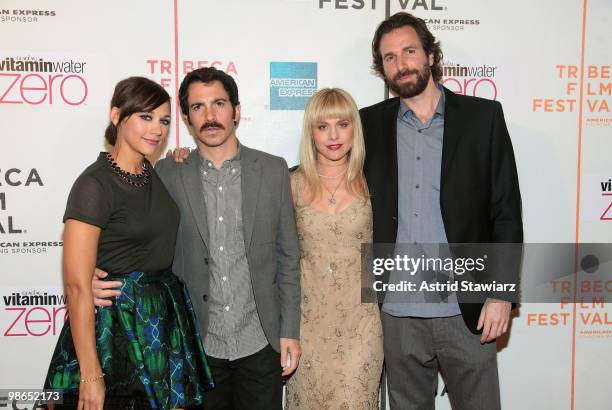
x: 220, y: 219
x: 224, y: 278
x: 418, y: 158
x: 209, y: 164
x: 420, y: 131
x: 205, y: 173
x: 416, y: 214
x: 226, y: 308
x: 220, y: 188
x: 221, y: 248
x: 417, y: 187
x: 233, y: 171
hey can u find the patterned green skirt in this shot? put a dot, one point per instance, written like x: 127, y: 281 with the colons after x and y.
x: 148, y: 343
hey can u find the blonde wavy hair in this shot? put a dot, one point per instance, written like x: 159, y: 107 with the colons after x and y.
x: 332, y: 103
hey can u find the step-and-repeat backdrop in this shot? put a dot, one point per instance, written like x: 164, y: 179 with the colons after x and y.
x: 548, y: 62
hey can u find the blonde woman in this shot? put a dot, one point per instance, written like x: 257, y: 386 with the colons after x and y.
x: 341, y: 337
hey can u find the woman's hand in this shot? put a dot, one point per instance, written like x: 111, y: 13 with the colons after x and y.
x: 91, y: 394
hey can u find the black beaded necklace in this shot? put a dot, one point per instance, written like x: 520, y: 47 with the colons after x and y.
x: 133, y: 179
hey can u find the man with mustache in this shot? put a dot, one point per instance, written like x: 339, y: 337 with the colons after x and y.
x: 440, y: 169
x: 236, y: 250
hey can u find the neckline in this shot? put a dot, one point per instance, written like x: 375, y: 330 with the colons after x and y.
x: 136, y: 180
x: 352, y: 204
x: 113, y: 164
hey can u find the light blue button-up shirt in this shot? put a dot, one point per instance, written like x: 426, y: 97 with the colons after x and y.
x: 419, y: 161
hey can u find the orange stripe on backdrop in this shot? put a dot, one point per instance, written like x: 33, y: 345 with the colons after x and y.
x: 578, y: 187
x: 177, y: 110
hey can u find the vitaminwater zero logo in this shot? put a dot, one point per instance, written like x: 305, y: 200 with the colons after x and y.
x: 606, y: 192
x: 476, y: 80
x: 596, y: 198
x: 32, y: 313
x: 291, y: 84
x: 33, y: 81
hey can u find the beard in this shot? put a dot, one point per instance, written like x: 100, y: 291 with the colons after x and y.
x: 410, y: 89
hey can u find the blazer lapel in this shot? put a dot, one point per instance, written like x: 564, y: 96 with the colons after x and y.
x: 192, y: 184
x: 250, y: 184
x: 452, y: 133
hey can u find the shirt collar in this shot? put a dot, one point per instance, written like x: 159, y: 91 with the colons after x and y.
x: 235, y: 160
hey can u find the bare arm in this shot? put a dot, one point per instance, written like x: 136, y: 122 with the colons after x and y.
x: 80, y: 251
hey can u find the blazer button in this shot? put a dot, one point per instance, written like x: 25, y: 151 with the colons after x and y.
x: 394, y: 218
x: 206, y: 261
x: 205, y: 298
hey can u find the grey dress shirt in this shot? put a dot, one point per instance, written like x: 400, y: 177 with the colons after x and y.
x: 233, y: 329
x: 419, y: 159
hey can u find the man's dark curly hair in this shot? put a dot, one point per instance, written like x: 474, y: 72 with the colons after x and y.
x: 428, y: 41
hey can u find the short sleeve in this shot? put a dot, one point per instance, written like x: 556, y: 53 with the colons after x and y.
x: 89, y: 202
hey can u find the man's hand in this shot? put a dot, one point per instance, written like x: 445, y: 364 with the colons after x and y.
x: 103, y: 289
x: 179, y: 154
x: 494, y: 319
x: 289, y: 348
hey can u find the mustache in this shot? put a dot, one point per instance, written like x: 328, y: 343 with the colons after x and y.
x: 404, y: 72
x: 210, y: 124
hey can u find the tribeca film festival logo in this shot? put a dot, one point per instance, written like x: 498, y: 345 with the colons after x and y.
x: 596, y: 91
x: 593, y: 313
x: 10, y: 227
x: 24, y: 15
x: 291, y: 84
x: 15, y: 177
x: 579, y: 287
x: 33, y: 80
x: 435, y: 5
x: 32, y: 312
x: 163, y: 69
x: 411, y: 6
x: 474, y: 80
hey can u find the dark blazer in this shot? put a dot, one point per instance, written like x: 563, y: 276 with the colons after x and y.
x: 270, y: 239
x: 479, y: 190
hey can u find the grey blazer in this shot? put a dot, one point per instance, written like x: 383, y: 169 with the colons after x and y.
x: 270, y: 239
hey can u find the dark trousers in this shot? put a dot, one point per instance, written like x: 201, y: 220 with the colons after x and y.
x: 417, y: 348
x: 253, y: 382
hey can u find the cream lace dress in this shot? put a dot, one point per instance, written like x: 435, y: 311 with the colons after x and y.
x: 341, y: 338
